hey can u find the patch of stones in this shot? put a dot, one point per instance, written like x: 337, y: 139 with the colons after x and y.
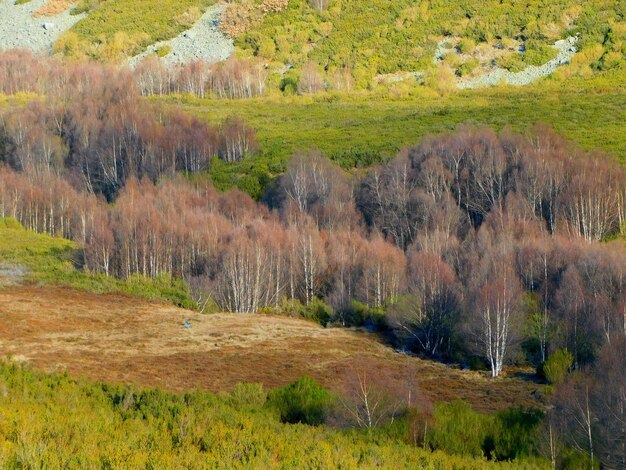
x: 566, y: 49
x: 11, y: 274
x: 18, y: 28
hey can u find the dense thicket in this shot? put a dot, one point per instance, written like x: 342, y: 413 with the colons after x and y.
x: 56, y: 421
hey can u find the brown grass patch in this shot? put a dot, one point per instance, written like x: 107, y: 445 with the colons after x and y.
x: 53, y: 7
x: 123, y: 339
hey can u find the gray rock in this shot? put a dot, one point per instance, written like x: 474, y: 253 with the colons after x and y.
x: 18, y: 28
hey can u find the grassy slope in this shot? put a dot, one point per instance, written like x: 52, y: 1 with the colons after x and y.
x: 51, y: 260
x: 115, y: 29
x: 367, y: 37
x: 357, y: 130
x: 377, y: 36
x: 54, y: 421
x: 117, y: 338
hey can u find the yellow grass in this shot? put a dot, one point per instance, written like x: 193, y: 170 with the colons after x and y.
x: 119, y: 338
x: 53, y: 7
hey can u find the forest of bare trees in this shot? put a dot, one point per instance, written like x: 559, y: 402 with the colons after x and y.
x: 22, y: 72
x: 470, y: 244
x: 94, y: 127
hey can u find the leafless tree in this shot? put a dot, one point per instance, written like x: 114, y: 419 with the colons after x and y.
x: 496, y: 306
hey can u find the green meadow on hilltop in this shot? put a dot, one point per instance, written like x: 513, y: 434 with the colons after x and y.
x: 359, y: 130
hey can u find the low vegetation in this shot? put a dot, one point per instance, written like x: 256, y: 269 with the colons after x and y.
x: 366, y: 39
x: 116, y: 337
x: 54, y: 420
x: 359, y: 131
x: 117, y: 29
x: 449, y: 223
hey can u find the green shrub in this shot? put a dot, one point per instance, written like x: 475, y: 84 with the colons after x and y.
x: 289, y: 85
x: 515, y: 432
x: 83, y: 6
x: 10, y: 223
x: 304, y: 401
x: 507, y: 435
x: 477, y: 363
x: 466, y: 46
x: 512, y: 62
x: 558, y: 364
x: 537, y: 53
x: 466, y: 68
x: 246, y: 395
x: 460, y: 430
x: 573, y: 459
x: 163, y: 50
x: 317, y: 310
x: 354, y: 315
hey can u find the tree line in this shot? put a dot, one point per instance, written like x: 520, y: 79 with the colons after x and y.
x: 454, y: 274
x: 23, y: 72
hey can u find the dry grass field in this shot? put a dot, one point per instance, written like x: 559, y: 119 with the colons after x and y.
x: 124, y: 339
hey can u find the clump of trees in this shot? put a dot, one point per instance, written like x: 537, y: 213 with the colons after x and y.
x: 233, y: 78
x: 587, y: 424
x: 471, y: 243
x: 95, y: 129
x: 23, y: 72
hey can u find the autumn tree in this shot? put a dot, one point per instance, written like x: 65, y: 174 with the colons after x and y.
x: 236, y: 140
x: 426, y: 319
x: 313, y: 185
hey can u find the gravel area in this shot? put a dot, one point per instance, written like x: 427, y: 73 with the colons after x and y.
x: 18, y: 28
x: 443, y: 47
x: 566, y: 50
x: 203, y: 41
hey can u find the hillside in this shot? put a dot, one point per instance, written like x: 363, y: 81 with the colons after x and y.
x: 312, y: 233
x: 53, y: 317
x: 336, y: 44
x: 54, y: 421
x: 363, y: 130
